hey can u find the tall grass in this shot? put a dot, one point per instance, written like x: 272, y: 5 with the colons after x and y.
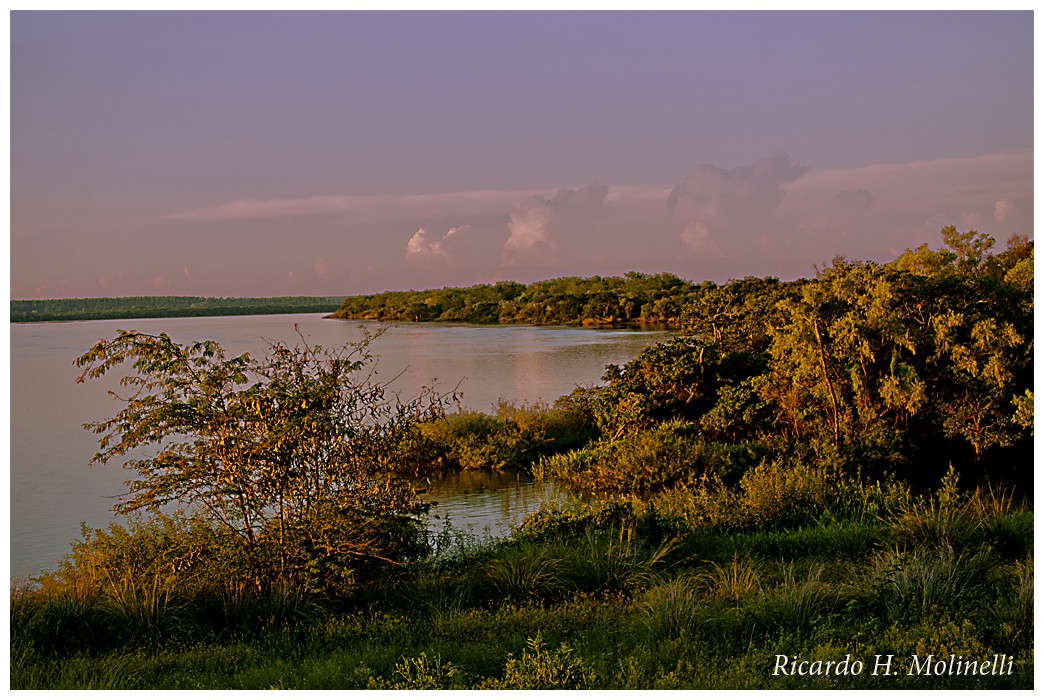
x: 672, y: 607
x: 794, y: 605
x: 616, y: 560
x: 923, y: 580
x: 732, y: 582
x: 527, y: 570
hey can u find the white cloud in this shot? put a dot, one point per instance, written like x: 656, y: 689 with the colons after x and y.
x: 539, y: 224
x: 425, y: 246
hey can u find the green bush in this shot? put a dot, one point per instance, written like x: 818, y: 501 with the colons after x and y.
x: 420, y: 673
x: 666, y: 455
x: 541, y: 669
x: 512, y: 438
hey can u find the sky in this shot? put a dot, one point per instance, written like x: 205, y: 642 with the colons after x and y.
x: 337, y: 153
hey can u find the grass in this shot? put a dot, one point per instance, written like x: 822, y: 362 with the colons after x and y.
x: 614, y: 599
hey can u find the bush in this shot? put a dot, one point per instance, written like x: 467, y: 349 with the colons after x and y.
x: 541, y: 669
x: 667, y: 455
x: 289, y: 463
x: 512, y: 438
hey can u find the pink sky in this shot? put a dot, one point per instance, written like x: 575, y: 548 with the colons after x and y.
x: 262, y: 155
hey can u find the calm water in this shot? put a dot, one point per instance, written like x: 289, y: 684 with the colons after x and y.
x: 53, y: 490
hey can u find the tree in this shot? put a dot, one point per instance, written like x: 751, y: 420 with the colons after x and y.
x: 290, y: 457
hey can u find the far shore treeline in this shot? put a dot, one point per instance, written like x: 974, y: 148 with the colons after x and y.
x: 635, y: 298
x: 164, y: 307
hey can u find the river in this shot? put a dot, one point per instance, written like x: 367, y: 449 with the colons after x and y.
x: 52, y: 490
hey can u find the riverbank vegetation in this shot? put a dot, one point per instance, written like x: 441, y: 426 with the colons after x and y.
x: 635, y: 298
x: 164, y: 307
x: 833, y: 469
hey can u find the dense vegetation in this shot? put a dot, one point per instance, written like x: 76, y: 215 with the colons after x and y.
x: 633, y: 298
x: 163, y: 307
x: 826, y: 469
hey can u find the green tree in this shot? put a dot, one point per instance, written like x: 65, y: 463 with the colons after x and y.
x: 290, y: 457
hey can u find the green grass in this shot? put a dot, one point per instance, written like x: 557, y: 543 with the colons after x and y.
x: 613, y: 596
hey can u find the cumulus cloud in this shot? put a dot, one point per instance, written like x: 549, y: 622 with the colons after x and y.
x: 539, y: 225
x: 722, y: 212
x: 1011, y: 216
x: 425, y: 246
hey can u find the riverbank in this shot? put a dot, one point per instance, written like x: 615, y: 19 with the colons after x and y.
x: 606, y: 597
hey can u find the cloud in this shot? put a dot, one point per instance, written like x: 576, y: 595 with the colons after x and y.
x: 722, y: 212
x: 539, y: 224
x: 1002, y: 210
x: 911, y: 203
x: 424, y: 246
x: 360, y: 208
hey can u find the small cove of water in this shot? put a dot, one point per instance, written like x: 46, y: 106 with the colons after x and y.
x: 484, y: 505
x: 53, y: 490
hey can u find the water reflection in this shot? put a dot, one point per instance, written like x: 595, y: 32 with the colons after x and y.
x: 486, y: 505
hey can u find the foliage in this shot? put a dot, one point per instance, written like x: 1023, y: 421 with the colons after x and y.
x: 867, y: 368
x: 288, y: 459
x: 541, y: 669
x: 512, y: 438
x: 708, y: 620
x: 633, y: 298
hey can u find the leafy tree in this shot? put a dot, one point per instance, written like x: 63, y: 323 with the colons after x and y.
x: 290, y: 457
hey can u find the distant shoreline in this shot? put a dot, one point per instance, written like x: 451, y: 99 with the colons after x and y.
x: 116, y: 308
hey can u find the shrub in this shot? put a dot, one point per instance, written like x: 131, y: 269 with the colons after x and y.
x: 512, y: 438
x: 541, y: 669
x: 420, y: 673
x: 780, y: 495
x: 289, y: 459
x: 665, y: 455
